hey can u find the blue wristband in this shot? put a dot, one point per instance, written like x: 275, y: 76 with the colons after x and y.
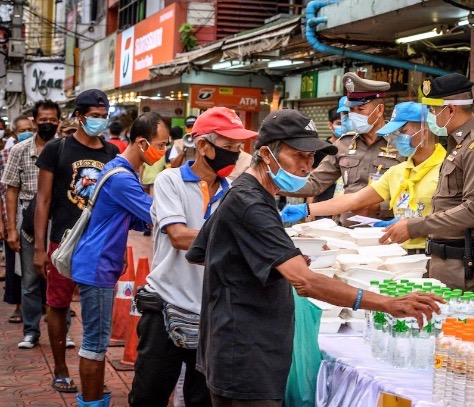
x: 358, y: 300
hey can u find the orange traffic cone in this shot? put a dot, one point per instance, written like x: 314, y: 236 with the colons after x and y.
x: 122, y: 303
x: 131, y: 338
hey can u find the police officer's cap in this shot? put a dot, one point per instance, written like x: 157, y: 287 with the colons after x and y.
x: 361, y: 91
x: 446, y: 85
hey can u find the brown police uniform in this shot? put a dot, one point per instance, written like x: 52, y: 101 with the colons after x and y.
x: 453, y: 201
x: 355, y: 160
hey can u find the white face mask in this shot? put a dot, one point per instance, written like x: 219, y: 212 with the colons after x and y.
x: 2, y: 133
x: 360, y: 122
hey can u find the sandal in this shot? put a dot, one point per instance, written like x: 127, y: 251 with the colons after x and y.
x: 64, y: 385
x: 16, y: 317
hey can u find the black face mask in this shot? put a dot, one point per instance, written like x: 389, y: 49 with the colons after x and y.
x: 47, y: 130
x: 224, y: 161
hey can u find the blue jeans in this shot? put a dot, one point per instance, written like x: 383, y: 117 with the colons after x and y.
x: 96, y: 311
x: 31, y: 295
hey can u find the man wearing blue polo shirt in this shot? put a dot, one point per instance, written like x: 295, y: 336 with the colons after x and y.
x: 98, y: 262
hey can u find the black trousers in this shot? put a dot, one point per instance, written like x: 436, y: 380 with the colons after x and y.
x: 12, y: 281
x: 158, y: 367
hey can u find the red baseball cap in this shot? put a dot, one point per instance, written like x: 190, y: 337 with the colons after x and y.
x: 223, y: 121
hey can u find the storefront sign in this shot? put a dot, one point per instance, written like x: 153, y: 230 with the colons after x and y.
x: 44, y: 80
x: 152, y: 41
x: 330, y: 83
x: 244, y: 99
x: 98, y: 65
x: 309, y: 85
x: 396, y: 77
x: 166, y: 108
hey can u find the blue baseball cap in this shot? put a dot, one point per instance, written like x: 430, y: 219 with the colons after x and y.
x: 402, y: 113
x: 342, y: 105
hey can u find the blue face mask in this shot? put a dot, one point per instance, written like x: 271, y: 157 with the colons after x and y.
x: 286, y: 181
x: 338, y: 131
x: 403, y: 144
x: 433, y: 125
x: 25, y: 135
x: 94, y: 126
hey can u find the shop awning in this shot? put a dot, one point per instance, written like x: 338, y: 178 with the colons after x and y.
x: 260, y: 40
x: 185, y: 61
x: 240, y: 46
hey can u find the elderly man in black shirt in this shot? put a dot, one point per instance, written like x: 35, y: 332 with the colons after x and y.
x: 247, y: 324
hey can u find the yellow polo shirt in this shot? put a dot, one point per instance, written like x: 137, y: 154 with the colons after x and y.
x: 388, y: 185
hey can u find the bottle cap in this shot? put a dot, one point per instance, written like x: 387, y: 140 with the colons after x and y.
x: 468, y: 336
x: 427, y: 283
x: 404, y: 281
x: 375, y: 282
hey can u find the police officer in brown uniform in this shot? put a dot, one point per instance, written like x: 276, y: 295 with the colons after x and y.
x: 362, y: 157
x: 450, y: 99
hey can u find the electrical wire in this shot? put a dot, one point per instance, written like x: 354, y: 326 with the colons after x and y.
x: 63, y: 29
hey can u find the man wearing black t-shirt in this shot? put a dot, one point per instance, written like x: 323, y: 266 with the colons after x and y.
x: 68, y: 171
x: 247, y: 324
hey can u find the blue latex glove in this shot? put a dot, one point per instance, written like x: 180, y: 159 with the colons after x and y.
x: 385, y: 223
x: 294, y: 213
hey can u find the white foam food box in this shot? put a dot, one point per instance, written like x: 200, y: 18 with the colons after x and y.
x: 326, y: 258
x: 348, y: 261
x: 406, y: 263
x: 383, y: 251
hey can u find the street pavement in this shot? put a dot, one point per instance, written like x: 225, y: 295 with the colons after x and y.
x: 26, y: 374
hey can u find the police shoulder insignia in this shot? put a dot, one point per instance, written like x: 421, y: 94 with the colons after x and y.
x: 471, y: 146
x: 426, y: 87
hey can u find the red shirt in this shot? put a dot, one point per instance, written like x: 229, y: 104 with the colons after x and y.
x: 121, y: 145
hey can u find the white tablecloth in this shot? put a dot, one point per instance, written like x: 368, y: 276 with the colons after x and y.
x: 350, y: 376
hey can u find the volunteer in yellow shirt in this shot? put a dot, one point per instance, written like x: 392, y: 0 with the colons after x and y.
x: 408, y: 186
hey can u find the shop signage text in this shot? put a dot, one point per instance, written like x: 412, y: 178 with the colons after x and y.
x: 44, y: 80
x: 309, y: 85
x: 396, y: 77
x: 244, y: 99
x: 143, y: 45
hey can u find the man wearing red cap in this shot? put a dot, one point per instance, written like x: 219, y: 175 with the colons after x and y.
x: 170, y: 303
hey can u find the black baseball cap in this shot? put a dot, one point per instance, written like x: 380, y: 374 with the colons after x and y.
x: 93, y: 97
x: 293, y: 128
x: 189, y: 121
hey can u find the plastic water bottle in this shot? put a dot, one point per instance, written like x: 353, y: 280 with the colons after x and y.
x: 443, y: 343
x: 378, y: 339
x: 401, y: 334
x: 422, y: 344
x: 438, y: 319
x: 463, y: 307
x: 448, y: 390
x: 469, y: 388
x: 387, y: 345
x: 460, y: 369
x: 368, y: 326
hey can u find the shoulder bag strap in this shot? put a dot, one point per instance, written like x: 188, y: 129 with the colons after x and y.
x: 106, y: 176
